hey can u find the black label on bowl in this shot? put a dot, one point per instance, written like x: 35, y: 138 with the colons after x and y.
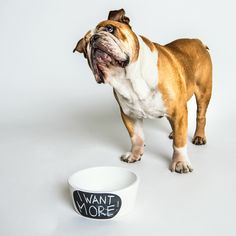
x: 97, y: 205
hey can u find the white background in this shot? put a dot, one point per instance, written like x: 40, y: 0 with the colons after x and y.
x: 56, y: 120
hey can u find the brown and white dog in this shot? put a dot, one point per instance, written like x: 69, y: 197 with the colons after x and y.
x: 151, y: 81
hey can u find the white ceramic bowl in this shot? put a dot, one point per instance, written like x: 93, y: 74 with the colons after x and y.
x: 103, y: 192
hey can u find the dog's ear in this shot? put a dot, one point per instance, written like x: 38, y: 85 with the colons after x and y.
x: 119, y: 15
x: 80, y: 46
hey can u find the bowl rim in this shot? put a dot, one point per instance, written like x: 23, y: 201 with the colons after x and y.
x: 75, y: 188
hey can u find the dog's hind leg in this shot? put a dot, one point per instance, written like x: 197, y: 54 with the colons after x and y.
x: 203, y: 95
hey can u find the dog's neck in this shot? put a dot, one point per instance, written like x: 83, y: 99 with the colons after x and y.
x: 139, y: 79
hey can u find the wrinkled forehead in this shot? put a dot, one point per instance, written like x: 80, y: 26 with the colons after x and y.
x: 117, y: 24
x: 121, y: 30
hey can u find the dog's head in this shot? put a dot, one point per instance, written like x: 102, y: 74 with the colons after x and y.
x: 111, y: 45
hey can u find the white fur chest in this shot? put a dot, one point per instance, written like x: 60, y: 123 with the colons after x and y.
x: 150, y: 107
x: 136, y: 86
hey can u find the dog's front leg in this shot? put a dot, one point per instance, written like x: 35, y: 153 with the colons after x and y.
x: 180, y: 161
x: 135, y: 129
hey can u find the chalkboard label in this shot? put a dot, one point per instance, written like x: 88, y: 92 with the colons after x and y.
x: 97, y: 205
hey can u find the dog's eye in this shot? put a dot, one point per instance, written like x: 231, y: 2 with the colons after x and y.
x: 109, y: 29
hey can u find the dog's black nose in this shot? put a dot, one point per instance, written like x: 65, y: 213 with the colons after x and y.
x: 94, y: 38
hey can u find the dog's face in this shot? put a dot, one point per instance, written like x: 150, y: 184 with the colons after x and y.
x: 111, y: 46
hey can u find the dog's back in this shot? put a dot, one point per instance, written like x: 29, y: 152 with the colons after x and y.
x: 195, y: 60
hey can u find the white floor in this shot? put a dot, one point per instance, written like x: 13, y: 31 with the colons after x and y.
x: 56, y: 120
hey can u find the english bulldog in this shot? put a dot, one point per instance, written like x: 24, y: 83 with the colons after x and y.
x: 150, y: 80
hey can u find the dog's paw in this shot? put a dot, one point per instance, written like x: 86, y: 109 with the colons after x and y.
x: 197, y: 140
x: 130, y: 158
x: 171, y: 135
x: 181, y: 167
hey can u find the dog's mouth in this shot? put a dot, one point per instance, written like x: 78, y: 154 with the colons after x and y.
x: 102, y: 59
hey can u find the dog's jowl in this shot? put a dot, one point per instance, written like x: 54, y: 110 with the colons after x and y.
x: 150, y: 80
